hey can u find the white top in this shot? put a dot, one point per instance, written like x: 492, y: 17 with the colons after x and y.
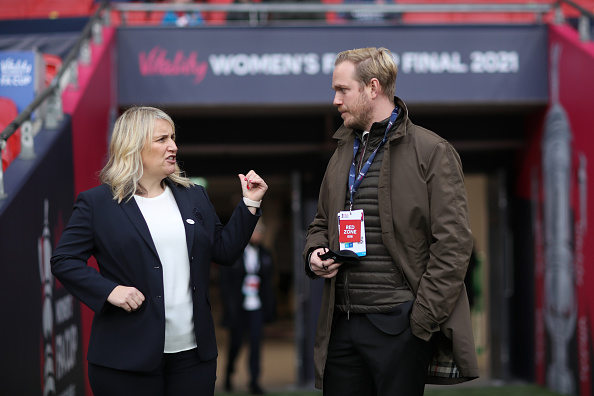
x: 251, y: 282
x: 169, y: 236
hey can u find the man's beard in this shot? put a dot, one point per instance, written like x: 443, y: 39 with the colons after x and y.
x: 361, y: 114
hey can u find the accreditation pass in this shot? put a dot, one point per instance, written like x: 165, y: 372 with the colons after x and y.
x: 351, y: 231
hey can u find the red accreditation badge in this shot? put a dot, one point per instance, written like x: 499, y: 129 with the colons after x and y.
x: 350, y: 231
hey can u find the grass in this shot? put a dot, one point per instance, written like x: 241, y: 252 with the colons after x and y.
x: 511, y: 390
x: 516, y: 390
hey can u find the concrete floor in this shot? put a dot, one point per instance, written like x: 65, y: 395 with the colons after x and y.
x: 278, y: 370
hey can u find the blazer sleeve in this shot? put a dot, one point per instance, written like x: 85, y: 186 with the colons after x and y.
x: 230, y: 239
x: 69, y: 261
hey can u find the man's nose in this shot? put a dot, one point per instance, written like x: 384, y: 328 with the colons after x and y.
x: 337, y: 100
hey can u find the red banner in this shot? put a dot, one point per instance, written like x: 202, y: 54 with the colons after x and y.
x: 554, y: 178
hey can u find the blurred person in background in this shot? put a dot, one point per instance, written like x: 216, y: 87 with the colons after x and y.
x: 365, y: 16
x: 249, y: 301
x: 182, y: 18
x: 154, y: 235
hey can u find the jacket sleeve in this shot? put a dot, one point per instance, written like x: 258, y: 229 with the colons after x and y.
x: 69, y: 261
x: 317, y: 232
x: 451, y: 243
x: 230, y: 239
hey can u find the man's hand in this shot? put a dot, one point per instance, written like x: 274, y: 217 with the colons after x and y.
x: 323, y: 268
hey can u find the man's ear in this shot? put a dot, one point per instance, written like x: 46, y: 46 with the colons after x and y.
x: 375, y: 88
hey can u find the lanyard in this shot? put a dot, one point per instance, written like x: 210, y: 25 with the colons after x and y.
x: 354, y: 183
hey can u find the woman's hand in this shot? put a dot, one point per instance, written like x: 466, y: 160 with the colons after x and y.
x: 127, y: 298
x: 253, y: 186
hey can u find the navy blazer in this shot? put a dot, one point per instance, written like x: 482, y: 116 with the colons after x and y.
x: 119, y: 238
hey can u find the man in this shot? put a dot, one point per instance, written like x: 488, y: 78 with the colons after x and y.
x: 248, y: 297
x: 393, y: 193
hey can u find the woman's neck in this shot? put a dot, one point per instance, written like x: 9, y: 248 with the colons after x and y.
x: 151, y: 189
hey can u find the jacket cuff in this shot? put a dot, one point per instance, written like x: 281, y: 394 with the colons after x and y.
x: 308, y: 269
x: 420, y: 332
x: 422, y: 326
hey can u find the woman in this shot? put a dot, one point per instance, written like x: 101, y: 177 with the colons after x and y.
x: 154, y: 235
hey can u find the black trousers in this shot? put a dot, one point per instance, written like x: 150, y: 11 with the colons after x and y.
x: 251, y: 322
x: 179, y: 374
x: 365, y: 361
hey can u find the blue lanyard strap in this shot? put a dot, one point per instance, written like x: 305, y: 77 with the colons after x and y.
x: 355, y: 180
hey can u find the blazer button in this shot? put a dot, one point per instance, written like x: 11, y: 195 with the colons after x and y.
x: 194, y: 289
x: 159, y: 297
x: 433, y: 326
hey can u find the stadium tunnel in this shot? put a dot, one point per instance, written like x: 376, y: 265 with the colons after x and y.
x: 261, y: 98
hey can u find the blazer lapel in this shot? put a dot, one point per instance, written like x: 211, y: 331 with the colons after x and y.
x: 184, y: 204
x: 135, y: 215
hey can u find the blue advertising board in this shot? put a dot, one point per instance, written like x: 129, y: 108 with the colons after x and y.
x: 293, y: 65
x: 20, y: 76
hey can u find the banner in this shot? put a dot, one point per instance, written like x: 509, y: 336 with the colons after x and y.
x: 555, y: 177
x: 21, y: 76
x: 293, y: 66
x: 41, y: 331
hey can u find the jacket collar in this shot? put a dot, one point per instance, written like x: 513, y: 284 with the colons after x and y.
x: 344, y: 133
x: 184, y: 204
x: 131, y: 209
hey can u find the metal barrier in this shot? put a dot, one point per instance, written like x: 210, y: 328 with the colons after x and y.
x: 48, y: 104
x: 584, y: 20
x: 262, y: 10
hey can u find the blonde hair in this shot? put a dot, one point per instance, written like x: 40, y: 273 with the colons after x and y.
x: 123, y: 171
x: 372, y: 63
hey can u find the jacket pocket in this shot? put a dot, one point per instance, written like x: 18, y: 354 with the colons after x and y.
x: 198, y: 216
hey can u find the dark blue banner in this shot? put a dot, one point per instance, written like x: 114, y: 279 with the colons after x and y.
x: 41, y: 322
x: 293, y: 66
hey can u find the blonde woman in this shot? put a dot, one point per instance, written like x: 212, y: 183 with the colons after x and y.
x: 153, y: 234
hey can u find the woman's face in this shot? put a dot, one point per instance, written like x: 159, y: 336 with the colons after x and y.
x: 159, y: 153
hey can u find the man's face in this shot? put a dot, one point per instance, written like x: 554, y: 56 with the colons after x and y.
x: 352, y: 100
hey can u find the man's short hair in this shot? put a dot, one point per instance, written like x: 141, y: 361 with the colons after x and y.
x: 372, y: 63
